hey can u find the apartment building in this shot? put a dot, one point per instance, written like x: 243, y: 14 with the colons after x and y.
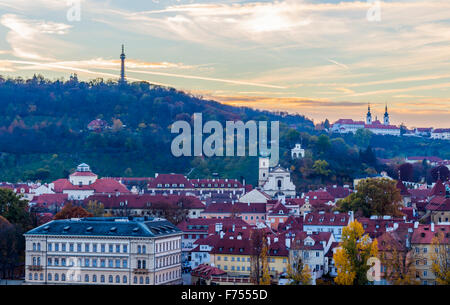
x: 104, y: 250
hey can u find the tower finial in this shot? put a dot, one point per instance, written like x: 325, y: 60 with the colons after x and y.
x: 122, y: 66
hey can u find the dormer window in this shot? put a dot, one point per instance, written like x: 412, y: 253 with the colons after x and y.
x: 174, y: 185
x: 182, y: 185
x: 159, y: 185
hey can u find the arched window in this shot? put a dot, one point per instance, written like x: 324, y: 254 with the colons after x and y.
x: 41, y: 276
x: 39, y: 246
x: 117, y: 279
x: 124, y: 279
x: 35, y: 276
x: 143, y: 249
x: 135, y: 280
x: 102, y: 278
x: 49, y: 276
x: 110, y: 278
x: 63, y: 277
x: 147, y: 280
x: 139, y: 264
x: 138, y: 249
x: 38, y: 261
x: 34, y: 246
x: 279, y: 183
x: 141, y: 280
x: 94, y: 278
x: 86, y: 278
x: 144, y: 264
x: 56, y: 277
x: 30, y: 276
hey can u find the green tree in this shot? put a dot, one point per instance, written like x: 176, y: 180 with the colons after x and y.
x: 96, y: 208
x: 299, y: 273
x: 362, y: 137
x: 14, y: 208
x: 373, y: 197
x: 320, y: 168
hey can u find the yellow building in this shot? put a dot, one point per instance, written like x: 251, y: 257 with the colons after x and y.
x: 234, y: 257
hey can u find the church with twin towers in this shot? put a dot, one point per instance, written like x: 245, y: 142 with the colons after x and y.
x: 374, y: 125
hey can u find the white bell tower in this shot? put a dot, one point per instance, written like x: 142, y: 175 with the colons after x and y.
x: 263, y: 170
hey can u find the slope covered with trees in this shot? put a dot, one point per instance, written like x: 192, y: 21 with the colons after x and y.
x: 44, y: 135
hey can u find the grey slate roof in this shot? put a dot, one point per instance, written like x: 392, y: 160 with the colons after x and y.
x: 107, y: 226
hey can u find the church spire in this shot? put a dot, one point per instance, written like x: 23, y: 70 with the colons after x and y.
x: 122, y: 67
x: 369, y: 116
x: 386, y: 116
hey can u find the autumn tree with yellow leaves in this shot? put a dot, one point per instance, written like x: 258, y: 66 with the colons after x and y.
x: 299, y: 274
x: 351, y: 258
x: 398, y: 261
x: 265, y: 277
x: 440, y: 256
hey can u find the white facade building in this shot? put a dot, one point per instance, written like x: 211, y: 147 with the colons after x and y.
x: 275, y: 182
x: 104, y: 250
x: 297, y: 152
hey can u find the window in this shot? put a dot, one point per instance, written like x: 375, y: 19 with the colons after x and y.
x: 117, y: 263
x: 50, y: 247
x: 110, y: 263
x: 138, y: 249
x: 41, y: 277
x: 79, y: 247
x: 111, y: 248
x: 147, y: 280
x: 63, y: 247
x: 56, y: 277
x: 124, y: 280
x: 56, y: 246
x: 94, y: 278
x: 125, y: 263
x: 63, y: 261
x: 118, y: 248
x: 135, y: 280
x: 71, y: 247
x: 49, y: 261
x: 94, y: 248
x: 56, y: 261
x: 102, y: 263
x: 86, y: 247
x: 34, y: 246
x: 86, y: 262
x: 94, y: 262
x: 103, y: 248
x: 425, y: 250
x: 125, y: 248
x: 102, y: 278
x: 141, y: 280
x: 86, y: 278
x: 49, y: 276
x: 110, y: 279
x: 117, y: 279
x: 143, y: 249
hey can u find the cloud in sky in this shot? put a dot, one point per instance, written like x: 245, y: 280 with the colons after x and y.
x: 322, y: 50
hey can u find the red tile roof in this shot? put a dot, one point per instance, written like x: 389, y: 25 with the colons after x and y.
x: 146, y: 201
x: 216, y: 183
x: 171, y: 179
x: 438, y: 189
x: 104, y: 185
x: 424, y: 235
x: 83, y: 174
x: 206, y: 271
x: 238, y: 207
x: 318, y: 237
x: 326, y: 219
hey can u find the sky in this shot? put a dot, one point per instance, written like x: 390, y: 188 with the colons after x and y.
x: 320, y: 58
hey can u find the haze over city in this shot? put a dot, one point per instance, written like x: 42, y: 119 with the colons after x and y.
x: 323, y: 59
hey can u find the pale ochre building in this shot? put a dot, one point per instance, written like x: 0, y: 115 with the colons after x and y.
x: 104, y: 250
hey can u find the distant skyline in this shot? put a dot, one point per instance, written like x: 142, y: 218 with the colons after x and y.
x: 319, y: 58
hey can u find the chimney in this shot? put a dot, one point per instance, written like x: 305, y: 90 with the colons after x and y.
x: 234, y: 227
x: 432, y: 227
x: 275, y: 239
x: 287, y: 242
x: 221, y: 234
x: 416, y: 225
